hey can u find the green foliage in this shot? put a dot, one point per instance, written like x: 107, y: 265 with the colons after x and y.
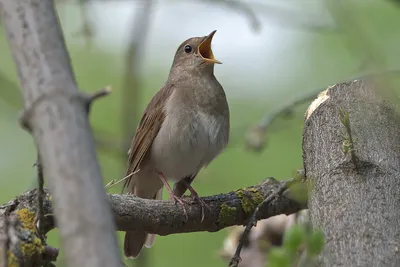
x: 297, y: 240
x: 315, y: 243
x: 293, y: 238
x: 277, y: 257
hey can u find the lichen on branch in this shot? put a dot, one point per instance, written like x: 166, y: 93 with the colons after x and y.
x: 156, y: 216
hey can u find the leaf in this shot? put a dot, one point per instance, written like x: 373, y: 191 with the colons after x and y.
x: 315, y: 243
x: 277, y: 257
x: 293, y: 238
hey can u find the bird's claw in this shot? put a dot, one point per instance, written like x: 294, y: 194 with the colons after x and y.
x: 182, y: 203
x: 203, y: 205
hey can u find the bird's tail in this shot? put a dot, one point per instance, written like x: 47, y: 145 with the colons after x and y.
x: 135, y: 240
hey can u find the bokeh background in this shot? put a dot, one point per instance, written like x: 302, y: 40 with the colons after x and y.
x: 273, y: 53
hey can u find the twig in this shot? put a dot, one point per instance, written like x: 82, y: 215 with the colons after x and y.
x: 255, y: 138
x: 99, y: 94
x: 40, y: 212
x: 243, y: 8
x: 87, y: 28
x: 132, y: 80
x: 253, y: 221
x: 113, y: 182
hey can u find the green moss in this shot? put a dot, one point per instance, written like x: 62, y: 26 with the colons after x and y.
x: 27, y: 219
x: 30, y: 244
x: 250, y: 198
x: 226, y: 214
x: 29, y: 249
x: 12, y: 260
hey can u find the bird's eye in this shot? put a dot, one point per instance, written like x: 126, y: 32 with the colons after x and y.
x: 188, y: 48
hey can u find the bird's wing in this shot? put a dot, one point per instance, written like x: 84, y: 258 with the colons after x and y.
x: 146, y: 132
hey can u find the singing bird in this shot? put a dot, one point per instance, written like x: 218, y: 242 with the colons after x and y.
x: 183, y: 128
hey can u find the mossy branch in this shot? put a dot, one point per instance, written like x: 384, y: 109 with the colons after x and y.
x: 159, y: 216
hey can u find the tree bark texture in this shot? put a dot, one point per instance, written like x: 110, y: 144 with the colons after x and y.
x: 165, y: 217
x: 354, y: 200
x: 132, y: 213
x: 56, y: 115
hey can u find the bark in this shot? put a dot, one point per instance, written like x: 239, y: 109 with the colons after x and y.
x: 355, y: 197
x: 56, y: 115
x: 165, y: 217
x: 132, y: 213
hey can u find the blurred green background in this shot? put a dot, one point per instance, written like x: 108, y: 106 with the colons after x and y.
x: 271, y: 57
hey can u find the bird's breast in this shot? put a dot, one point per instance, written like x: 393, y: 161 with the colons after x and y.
x: 188, y: 140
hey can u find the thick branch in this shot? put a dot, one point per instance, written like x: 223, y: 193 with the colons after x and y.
x: 56, y: 115
x: 355, y: 194
x: 164, y: 217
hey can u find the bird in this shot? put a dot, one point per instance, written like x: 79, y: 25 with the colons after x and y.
x: 184, y: 127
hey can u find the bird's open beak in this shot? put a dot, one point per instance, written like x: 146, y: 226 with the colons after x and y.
x: 205, y: 51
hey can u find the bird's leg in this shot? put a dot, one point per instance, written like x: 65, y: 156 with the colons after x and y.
x: 196, y: 196
x: 172, y: 196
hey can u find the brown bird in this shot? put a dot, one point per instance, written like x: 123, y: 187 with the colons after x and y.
x: 183, y: 128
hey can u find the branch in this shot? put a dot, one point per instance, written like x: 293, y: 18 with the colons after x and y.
x: 255, y: 139
x: 22, y: 244
x: 86, y: 30
x: 56, y: 115
x: 163, y: 217
x: 241, y: 7
x: 253, y: 221
x: 132, y: 79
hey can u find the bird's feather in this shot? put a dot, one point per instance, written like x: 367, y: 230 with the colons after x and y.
x: 149, y: 125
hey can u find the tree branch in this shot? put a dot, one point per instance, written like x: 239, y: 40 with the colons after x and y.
x: 255, y: 139
x: 164, y: 217
x: 56, y: 115
x: 256, y: 217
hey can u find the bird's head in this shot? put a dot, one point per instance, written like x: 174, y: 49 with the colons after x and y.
x: 195, y: 54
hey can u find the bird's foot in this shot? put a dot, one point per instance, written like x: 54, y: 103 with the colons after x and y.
x: 181, y: 202
x: 203, y: 204
x: 173, y: 197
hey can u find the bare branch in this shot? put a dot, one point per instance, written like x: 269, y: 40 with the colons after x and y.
x: 95, y: 96
x: 244, y: 8
x: 255, y: 139
x: 56, y: 115
x: 132, y: 81
x: 40, y: 194
x: 87, y: 30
